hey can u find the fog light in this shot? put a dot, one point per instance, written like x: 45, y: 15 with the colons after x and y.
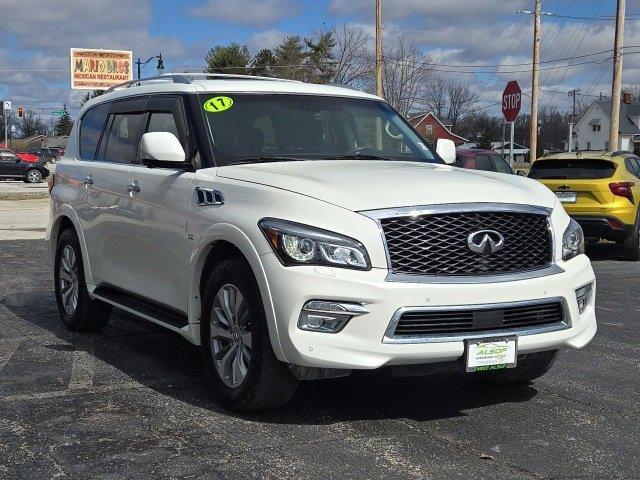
x: 583, y: 295
x: 328, y: 317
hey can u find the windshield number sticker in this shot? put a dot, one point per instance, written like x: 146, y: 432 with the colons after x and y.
x: 218, y: 104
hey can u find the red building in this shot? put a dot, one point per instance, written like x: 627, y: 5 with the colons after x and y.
x: 432, y: 129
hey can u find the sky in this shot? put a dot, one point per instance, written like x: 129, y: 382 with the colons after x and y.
x: 466, y: 39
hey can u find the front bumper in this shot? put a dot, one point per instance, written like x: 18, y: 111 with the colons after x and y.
x: 360, y: 344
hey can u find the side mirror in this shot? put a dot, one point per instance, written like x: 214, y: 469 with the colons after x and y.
x: 522, y: 173
x: 161, y: 147
x: 447, y: 150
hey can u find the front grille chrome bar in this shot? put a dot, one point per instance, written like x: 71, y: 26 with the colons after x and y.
x: 390, y: 337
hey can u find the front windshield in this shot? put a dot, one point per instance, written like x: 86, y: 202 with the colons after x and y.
x: 247, y: 128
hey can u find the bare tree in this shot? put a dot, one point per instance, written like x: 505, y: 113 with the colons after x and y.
x: 352, y: 63
x: 32, y: 124
x: 461, y: 101
x: 405, y: 73
x: 436, y: 97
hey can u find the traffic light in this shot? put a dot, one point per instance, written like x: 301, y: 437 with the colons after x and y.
x: 20, y: 112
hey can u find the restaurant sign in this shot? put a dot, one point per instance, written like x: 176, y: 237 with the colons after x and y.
x: 100, y: 69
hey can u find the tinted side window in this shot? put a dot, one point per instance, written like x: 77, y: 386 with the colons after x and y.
x: 500, y: 165
x: 91, y: 127
x: 123, y: 137
x: 163, y: 122
x: 483, y: 163
x: 633, y: 167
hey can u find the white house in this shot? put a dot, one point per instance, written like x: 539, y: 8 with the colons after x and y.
x: 520, y: 152
x: 592, y: 130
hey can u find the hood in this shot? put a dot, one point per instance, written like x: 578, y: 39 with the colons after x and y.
x: 368, y: 185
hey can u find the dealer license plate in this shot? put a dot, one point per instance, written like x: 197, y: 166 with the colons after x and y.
x: 492, y: 353
x: 566, y: 197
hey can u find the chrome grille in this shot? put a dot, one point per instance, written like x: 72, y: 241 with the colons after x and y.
x: 417, y: 323
x: 436, y: 243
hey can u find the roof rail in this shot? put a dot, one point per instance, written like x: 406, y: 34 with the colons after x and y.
x: 170, y: 77
x: 190, y: 77
x: 231, y: 76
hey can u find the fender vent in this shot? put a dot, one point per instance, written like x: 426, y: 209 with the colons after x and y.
x: 209, y: 196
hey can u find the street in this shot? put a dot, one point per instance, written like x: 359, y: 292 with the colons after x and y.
x: 131, y: 401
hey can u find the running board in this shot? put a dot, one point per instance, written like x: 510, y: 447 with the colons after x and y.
x: 142, y: 307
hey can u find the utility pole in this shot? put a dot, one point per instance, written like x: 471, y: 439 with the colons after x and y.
x: 379, y: 48
x: 535, y: 84
x: 616, y: 88
x: 572, y: 93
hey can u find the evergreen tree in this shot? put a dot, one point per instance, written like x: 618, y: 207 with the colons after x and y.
x: 322, y: 64
x: 263, y: 63
x: 485, y: 140
x: 64, y: 123
x: 291, y: 59
x: 90, y: 95
x: 231, y: 59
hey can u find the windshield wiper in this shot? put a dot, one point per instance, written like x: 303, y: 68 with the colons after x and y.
x: 266, y: 159
x: 355, y: 156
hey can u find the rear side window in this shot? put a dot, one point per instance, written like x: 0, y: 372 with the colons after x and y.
x: 633, y: 167
x: 91, y: 127
x: 500, y: 164
x: 572, y: 169
x: 483, y: 163
x: 468, y: 162
x: 122, y: 139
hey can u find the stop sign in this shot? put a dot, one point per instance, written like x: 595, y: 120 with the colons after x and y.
x: 511, y: 101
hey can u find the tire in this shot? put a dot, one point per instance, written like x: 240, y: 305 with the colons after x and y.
x: 33, y: 176
x: 83, y: 313
x: 631, y: 245
x: 266, y: 382
x: 532, y: 366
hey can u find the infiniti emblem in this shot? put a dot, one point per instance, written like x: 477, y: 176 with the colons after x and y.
x: 485, y: 241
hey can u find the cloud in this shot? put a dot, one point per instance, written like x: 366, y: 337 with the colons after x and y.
x: 36, y: 37
x: 488, y: 32
x: 247, y: 12
x: 406, y: 9
x: 265, y: 39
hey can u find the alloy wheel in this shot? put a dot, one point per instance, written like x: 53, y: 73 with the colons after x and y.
x: 33, y: 176
x: 68, y: 278
x: 229, y: 335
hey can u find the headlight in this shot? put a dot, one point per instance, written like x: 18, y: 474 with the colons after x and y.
x: 572, y: 241
x: 297, y: 244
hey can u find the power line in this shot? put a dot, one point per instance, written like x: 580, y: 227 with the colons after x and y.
x: 578, y: 93
x: 475, y: 72
x: 449, y: 65
x: 604, y: 18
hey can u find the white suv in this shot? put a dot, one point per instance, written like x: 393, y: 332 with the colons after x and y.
x: 301, y: 231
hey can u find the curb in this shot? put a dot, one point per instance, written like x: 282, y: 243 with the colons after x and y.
x: 24, y: 196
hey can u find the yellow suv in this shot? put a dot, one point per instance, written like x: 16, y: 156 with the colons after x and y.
x: 600, y: 191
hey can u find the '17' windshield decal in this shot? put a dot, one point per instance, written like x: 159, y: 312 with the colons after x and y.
x: 218, y: 104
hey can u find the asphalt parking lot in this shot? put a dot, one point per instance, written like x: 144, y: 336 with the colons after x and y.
x: 129, y: 402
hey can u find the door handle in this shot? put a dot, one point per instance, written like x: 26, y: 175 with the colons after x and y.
x: 88, y: 180
x: 133, y: 187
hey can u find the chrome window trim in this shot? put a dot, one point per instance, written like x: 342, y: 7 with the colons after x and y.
x: 378, y: 215
x: 457, y: 337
